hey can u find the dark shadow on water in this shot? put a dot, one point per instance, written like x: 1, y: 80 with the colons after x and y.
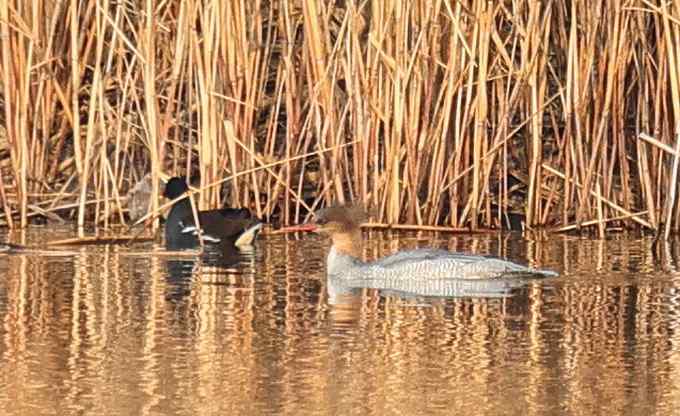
x: 221, y: 258
x: 179, y: 278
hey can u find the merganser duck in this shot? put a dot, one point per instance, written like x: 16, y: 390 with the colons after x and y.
x: 234, y: 226
x: 344, y: 257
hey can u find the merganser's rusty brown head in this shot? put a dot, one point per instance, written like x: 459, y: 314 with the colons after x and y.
x: 339, y: 219
x: 341, y: 223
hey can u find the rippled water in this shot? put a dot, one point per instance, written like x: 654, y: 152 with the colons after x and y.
x: 116, y: 330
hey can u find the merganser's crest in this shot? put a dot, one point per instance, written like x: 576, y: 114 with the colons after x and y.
x: 341, y: 219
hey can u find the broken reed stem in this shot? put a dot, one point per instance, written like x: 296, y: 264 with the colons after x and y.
x: 666, y: 148
x: 118, y: 239
x: 47, y: 212
x: 416, y: 227
x: 673, y: 187
x: 671, y: 40
x: 600, y: 212
x: 405, y: 227
x: 597, y: 222
x: 600, y: 198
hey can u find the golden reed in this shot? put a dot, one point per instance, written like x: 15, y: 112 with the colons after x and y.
x: 432, y: 112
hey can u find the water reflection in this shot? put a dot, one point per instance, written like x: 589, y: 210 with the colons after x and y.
x: 114, y: 330
x: 211, y: 266
x: 423, y: 289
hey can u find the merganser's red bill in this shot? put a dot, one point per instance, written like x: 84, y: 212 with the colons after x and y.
x: 299, y: 227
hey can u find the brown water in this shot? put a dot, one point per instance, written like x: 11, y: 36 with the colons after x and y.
x: 112, y: 330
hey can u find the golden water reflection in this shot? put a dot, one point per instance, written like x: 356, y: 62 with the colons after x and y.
x: 118, y: 332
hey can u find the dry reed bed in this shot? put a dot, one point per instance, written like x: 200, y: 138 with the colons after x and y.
x: 432, y: 112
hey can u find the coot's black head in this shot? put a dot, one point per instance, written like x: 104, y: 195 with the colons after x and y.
x: 175, y: 187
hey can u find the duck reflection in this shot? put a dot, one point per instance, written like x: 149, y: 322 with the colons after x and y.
x: 339, y: 289
x: 179, y: 278
x: 220, y: 259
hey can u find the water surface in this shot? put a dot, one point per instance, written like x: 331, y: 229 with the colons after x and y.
x: 132, y: 331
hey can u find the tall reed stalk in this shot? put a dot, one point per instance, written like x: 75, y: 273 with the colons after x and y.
x: 458, y: 113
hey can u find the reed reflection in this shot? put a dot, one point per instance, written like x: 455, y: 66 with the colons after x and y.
x: 114, y: 330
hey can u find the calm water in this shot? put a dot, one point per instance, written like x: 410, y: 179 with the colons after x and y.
x: 112, y: 330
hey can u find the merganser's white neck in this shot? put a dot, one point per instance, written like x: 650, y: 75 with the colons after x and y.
x: 341, y: 264
x: 348, y: 243
x: 345, y: 253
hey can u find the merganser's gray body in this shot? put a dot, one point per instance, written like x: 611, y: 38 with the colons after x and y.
x: 426, y: 264
x: 428, y: 272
